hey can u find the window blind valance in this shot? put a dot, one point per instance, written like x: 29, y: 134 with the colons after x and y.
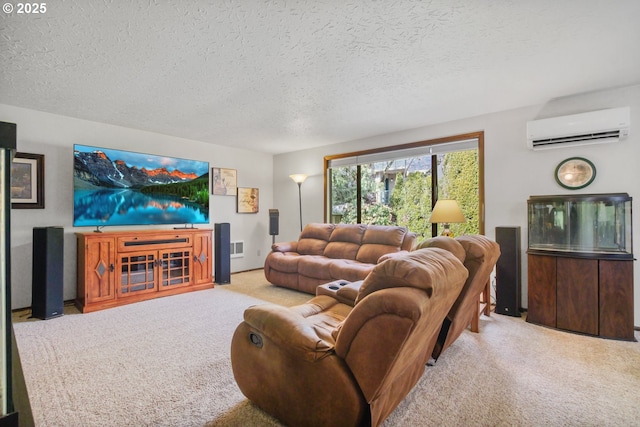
x: 387, y: 156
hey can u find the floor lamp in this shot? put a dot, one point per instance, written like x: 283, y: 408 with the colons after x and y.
x: 299, y: 178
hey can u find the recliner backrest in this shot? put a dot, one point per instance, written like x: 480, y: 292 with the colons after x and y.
x: 418, y: 269
x: 379, y: 240
x: 480, y: 260
x: 387, y: 337
x: 314, y: 238
x: 345, y: 241
x: 443, y: 242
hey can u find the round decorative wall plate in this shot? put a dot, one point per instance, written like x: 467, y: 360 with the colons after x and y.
x: 575, y: 173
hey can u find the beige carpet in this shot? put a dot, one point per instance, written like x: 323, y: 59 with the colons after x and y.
x: 166, y: 362
x: 254, y: 284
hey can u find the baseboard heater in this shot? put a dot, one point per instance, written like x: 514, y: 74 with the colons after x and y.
x: 237, y: 249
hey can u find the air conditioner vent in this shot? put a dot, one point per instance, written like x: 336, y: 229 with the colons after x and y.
x: 592, y: 138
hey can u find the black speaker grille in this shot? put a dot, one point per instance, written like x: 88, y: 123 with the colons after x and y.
x: 47, y: 275
x: 222, y: 253
x: 508, y: 274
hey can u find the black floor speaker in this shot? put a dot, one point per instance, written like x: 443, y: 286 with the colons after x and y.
x: 47, y: 299
x: 274, y: 222
x: 508, y: 271
x: 222, y: 252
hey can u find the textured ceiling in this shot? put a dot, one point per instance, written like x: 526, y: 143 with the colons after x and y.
x: 278, y: 76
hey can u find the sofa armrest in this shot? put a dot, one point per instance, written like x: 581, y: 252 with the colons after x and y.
x: 342, y: 290
x: 349, y: 292
x: 288, y: 330
x: 285, y: 247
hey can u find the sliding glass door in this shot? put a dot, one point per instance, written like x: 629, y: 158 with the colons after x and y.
x: 399, y: 185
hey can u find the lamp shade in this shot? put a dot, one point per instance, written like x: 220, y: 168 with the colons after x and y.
x: 298, y: 178
x: 446, y: 211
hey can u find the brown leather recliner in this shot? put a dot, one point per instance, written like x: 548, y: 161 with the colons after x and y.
x: 326, y: 363
x: 480, y: 255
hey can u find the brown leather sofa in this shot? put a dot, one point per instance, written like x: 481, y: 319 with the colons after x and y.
x: 325, y: 363
x: 479, y: 255
x: 326, y: 252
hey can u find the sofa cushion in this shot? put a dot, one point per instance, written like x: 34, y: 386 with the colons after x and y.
x: 286, y: 262
x: 317, y: 230
x: 385, y: 235
x: 288, y: 280
x: 345, y: 241
x: 315, y: 266
x: 379, y: 240
x: 349, y: 270
x: 418, y: 269
x: 314, y: 238
x: 341, y: 250
x: 371, y: 253
x: 311, y: 246
x: 352, y: 233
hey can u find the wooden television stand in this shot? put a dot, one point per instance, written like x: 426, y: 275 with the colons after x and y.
x: 117, y: 268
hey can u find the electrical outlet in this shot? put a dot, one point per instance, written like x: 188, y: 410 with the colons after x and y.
x: 258, y: 252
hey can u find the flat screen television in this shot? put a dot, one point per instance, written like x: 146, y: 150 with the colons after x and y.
x: 117, y: 187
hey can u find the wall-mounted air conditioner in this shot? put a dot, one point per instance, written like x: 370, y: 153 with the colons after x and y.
x: 593, y: 127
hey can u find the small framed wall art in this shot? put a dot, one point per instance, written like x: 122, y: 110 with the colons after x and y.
x: 27, y: 181
x: 248, y: 200
x: 225, y: 182
x: 575, y: 173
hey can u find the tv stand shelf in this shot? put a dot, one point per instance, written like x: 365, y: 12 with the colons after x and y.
x: 117, y: 268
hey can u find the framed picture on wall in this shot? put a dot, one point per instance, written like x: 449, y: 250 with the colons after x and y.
x: 248, y: 200
x: 27, y: 181
x: 224, y: 182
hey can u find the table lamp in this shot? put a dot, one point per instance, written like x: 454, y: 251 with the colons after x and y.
x: 446, y: 211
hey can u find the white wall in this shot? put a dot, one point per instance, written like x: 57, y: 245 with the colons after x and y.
x: 54, y: 136
x: 512, y: 172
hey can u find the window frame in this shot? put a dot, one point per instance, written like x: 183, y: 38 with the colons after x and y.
x: 479, y: 136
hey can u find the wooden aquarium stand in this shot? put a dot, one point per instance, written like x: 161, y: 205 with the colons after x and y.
x: 592, y: 296
x: 117, y: 268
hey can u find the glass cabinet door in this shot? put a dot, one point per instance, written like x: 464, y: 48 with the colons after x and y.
x: 143, y: 272
x: 138, y: 272
x: 175, y: 267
